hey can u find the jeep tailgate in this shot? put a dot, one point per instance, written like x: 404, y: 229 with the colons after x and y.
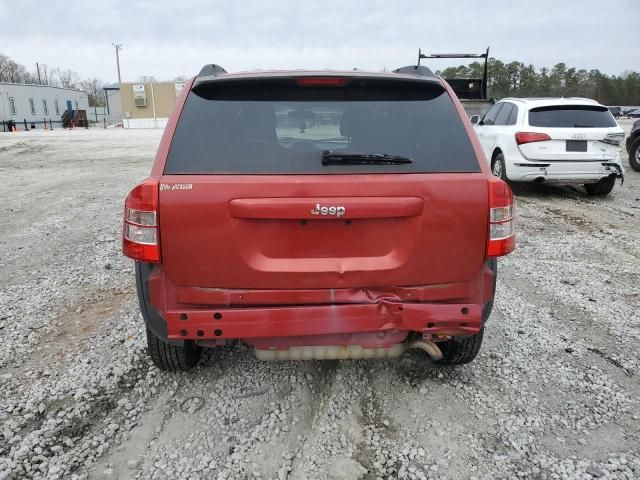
x: 246, y: 201
x: 260, y: 232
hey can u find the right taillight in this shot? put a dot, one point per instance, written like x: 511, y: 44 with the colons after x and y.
x: 529, y: 137
x: 140, y: 236
x: 502, y: 233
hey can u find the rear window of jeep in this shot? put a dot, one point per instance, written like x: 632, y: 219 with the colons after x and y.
x: 282, y: 128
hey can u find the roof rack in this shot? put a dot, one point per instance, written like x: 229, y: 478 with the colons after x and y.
x: 211, y: 70
x: 484, y: 55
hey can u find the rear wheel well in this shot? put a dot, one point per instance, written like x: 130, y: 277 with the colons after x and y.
x: 495, y: 154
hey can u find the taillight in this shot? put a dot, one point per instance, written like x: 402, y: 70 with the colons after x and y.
x: 140, y: 235
x: 529, y: 137
x: 323, y: 81
x: 502, y: 233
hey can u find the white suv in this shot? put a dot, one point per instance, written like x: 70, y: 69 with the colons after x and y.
x: 554, y: 140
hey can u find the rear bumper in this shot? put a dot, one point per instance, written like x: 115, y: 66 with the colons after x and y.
x: 297, y: 321
x: 371, y: 318
x: 578, y: 172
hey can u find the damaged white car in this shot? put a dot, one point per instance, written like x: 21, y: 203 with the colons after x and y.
x: 554, y: 140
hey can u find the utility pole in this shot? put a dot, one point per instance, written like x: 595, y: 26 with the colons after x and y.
x: 118, y: 47
x: 38, y: 69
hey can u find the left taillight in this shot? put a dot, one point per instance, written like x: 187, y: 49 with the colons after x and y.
x: 140, y: 234
x: 530, y: 137
x: 502, y: 232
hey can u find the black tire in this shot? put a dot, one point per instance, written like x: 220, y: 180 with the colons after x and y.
x: 498, y: 167
x: 170, y: 357
x: 634, y: 155
x: 601, y: 188
x: 461, y: 350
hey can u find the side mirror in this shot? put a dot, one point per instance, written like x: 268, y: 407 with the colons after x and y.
x: 475, y: 119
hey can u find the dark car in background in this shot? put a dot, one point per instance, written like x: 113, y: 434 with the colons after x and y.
x: 633, y: 146
x: 615, y: 111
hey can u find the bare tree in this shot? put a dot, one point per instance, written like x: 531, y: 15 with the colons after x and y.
x: 4, y: 66
x: 180, y: 78
x: 95, y: 91
x: 12, y: 72
x: 147, y: 79
x: 67, y: 78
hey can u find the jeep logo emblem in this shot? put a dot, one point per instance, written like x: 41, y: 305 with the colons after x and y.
x: 334, y: 210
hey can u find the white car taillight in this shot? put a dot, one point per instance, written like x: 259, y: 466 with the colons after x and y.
x: 140, y: 237
x: 502, y: 234
x: 530, y: 137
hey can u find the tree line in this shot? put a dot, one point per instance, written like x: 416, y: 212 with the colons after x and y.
x: 516, y: 79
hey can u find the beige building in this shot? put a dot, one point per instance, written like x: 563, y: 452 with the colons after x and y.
x: 148, y: 104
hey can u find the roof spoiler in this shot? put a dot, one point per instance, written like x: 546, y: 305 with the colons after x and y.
x: 464, y: 88
x: 211, y: 70
x: 419, y: 70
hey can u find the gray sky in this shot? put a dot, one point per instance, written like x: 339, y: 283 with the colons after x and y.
x: 166, y: 38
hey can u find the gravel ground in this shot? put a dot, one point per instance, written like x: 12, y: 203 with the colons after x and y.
x: 554, y: 393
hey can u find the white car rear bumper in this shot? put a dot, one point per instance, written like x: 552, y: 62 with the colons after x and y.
x: 578, y: 172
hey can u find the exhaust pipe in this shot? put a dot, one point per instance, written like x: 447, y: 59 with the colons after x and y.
x: 347, y: 352
x: 428, y: 346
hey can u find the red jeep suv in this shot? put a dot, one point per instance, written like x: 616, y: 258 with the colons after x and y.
x: 317, y: 215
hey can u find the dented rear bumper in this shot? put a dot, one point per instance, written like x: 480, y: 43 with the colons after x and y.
x: 294, y: 321
x: 278, y: 319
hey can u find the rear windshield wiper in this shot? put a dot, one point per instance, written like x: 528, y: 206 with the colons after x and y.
x: 337, y: 158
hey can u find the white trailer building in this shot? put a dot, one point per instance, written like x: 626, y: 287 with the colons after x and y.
x: 37, y: 104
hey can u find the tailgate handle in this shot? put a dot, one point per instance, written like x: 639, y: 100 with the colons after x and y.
x: 326, y: 208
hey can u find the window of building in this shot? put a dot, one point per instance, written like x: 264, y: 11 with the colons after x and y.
x: 44, y: 106
x: 56, y: 106
x: 32, y: 106
x: 12, y: 105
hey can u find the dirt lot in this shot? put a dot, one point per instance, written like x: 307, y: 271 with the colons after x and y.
x: 554, y: 393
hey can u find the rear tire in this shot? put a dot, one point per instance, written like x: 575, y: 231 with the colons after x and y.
x: 170, y: 357
x: 498, y: 167
x: 461, y: 350
x: 601, y: 188
x: 634, y: 155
